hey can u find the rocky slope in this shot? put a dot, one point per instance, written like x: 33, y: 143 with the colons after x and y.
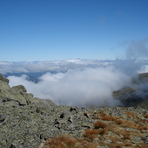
x: 27, y: 122
x: 136, y: 94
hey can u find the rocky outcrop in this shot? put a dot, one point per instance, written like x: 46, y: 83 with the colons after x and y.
x: 136, y: 94
x: 27, y: 121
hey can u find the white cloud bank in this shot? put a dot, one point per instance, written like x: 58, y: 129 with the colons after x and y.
x: 80, y: 84
x: 90, y: 86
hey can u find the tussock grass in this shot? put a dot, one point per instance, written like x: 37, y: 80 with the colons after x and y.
x: 131, y: 115
x: 91, y: 134
x: 142, y: 127
x: 60, y: 142
x: 100, y: 124
x: 66, y: 141
x: 145, y: 115
x: 126, y: 123
x: 103, y: 131
x: 108, y: 117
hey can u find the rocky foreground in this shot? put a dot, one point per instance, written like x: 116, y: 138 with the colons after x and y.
x: 29, y: 122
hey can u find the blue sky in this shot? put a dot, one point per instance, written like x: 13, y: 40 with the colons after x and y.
x: 40, y: 30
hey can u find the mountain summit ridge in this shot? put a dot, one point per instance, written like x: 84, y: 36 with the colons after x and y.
x: 27, y: 121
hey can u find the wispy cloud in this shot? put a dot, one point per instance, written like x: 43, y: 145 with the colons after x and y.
x: 137, y: 49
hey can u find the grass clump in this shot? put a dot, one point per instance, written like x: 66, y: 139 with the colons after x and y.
x: 99, y: 124
x: 66, y: 141
x: 145, y: 115
x: 60, y: 142
x: 108, y: 117
x: 131, y: 115
x: 91, y: 134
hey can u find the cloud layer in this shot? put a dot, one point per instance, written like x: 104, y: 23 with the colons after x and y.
x: 48, y: 66
x: 91, y: 86
x: 83, y: 85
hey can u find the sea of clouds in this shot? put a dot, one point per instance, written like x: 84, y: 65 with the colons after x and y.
x: 79, y: 82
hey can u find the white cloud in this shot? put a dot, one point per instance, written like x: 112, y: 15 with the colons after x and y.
x: 50, y: 66
x: 77, y: 83
x: 144, y: 69
x: 90, y: 86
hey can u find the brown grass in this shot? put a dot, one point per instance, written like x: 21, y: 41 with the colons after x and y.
x: 140, y: 127
x: 127, y: 136
x: 60, y: 142
x: 103, y: 132
x: 131, y: 115
x: 115, y: 145
x: 131, y: 124
x: 99, y: 124
x: 126, y: 123
x: 108, y: 117
x: 121, y: 132
x: 86, y: 144
x: 145, y: 121
x: 145, y: 115
x: 66, y: 141
x: 91, y: 133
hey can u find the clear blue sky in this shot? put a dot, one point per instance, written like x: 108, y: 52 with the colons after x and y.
x: 39, y: 30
